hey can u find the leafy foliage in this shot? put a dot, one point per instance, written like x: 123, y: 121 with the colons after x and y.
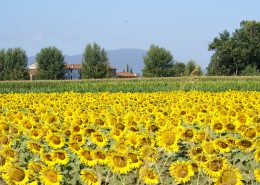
x: 232, y: 54
x: 250, y: 71
x: 213, y: 84
x: 13, y: 64
x: 95, y: 63
x: 178, y: 69
x: 50, y: 64
x: 158, y: 62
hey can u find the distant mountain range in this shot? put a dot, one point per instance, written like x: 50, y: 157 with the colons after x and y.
x: 118, y: 59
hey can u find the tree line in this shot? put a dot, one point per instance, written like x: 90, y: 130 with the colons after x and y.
x: 236, y: 54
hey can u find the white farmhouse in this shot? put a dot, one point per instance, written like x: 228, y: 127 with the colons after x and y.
x: 72, y: 71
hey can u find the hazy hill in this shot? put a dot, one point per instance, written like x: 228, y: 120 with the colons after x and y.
x: 118, y: 58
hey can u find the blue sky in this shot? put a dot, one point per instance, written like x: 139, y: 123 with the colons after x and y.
x: 184, y: 27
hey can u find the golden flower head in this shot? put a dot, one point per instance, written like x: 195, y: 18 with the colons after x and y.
x: 50, y: 176
x: 89, y: 177
x: 181, y: 171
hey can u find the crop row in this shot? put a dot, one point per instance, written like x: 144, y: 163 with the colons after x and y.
x: 213, y: 84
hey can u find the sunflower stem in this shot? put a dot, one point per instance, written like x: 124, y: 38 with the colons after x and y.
x: 156, y: 166
x: 198, y: 177
x: 120, y: 178
x: 107, y: 177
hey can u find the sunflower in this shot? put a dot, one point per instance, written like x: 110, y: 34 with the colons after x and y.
x: 208, y: 147
x: 3, y: 162
x: 257, y: 154
x: 132, y: 127
x: 10, y: 154
x: 241, y: 128
x: 181, y: 171
x: 245, y: 144
x: 230, y: 127
x: 35, y: 134
x: 201, y: 136
x: 119, y: 126
x: 75, y: 128
x: 195, y: 151
x: 47, y: 158
x: 34, y: 167
x: 50, y: 118
x: 200, y: 158
x: 217, y: 126
x: 74, y: 146
x: 195, y: 166
x: 152, y: 126
x: 230, y: 175
x: 257, y: 143
x: 78, y: 137
x: 188, y: 134
x: 4, y: 126
x: 146, y: 140
x: 168, y: 140
x: 257, y: 175
x: 55, y: 140
x: 15, y: 175
x: 221, y: 145
x: 135, y: 161
x: 88, y: 131
x: 116, y: 134
x: 119, y: 163
x: 89, y: 177
x: 148, y: 175
x: 121, y: 146
x: 231, y: 141
x: 242, y: 119
x: 50, y: 176
x: 132, y: 139
x: 5, y: 141
x: 215, y: 166
x: 100, y: 156
x: 60, y: 156
x: 149, y: 153
x: 67, y: 132
x: 35, y: 147
x: 99, y: 139
x: 250, y: 133
x: 86, y: 157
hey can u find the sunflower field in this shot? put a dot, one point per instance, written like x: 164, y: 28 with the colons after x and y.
x: 137, y: 138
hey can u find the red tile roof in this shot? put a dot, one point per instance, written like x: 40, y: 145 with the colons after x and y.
x: 73, y: 66
x: 126, y: 75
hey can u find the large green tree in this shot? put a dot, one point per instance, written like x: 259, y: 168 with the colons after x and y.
x: 2, y: 61
x: 158, y: 62
x: 232, y: 54
x: 50, y: 64
x: 95, y: 63
x: 178, y: 69
x: 13, y: 64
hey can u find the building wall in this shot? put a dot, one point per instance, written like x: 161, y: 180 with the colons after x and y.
x: 72, y: 74
x: 112, y: 73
